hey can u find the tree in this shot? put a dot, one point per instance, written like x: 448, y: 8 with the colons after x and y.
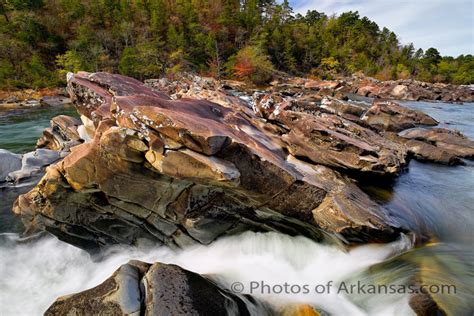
x: 432, y: 56
x: 145, y: 38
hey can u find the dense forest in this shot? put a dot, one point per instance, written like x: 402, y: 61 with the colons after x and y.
x: 41, y: 40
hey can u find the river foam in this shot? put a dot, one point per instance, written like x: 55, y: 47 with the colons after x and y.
x: 34, y: 274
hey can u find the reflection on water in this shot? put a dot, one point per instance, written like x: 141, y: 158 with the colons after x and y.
x: 20, y: 129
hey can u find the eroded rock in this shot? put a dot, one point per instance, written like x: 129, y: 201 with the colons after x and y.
x: 62, y: 135
x: 187, y: 170
x: 390, y: 116
x: 139, y: 288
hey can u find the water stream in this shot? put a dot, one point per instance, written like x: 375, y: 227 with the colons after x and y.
x: 435, y: 199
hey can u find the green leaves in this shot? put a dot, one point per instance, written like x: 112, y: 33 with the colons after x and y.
x: 47, y: 38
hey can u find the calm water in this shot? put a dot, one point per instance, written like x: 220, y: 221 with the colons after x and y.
x: 433, y: 199
x: 436, y: 199
x: 20, y: 129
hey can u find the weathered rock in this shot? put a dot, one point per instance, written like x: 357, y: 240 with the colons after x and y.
x: 93, y: 101
x: 438, y: 145
x: 425, y: 151
x: 8, y: 162
x: 33, y: 163
x: 55, y: 101
x: 181, y: 171
x: 349, y: 111
x: 331, y: 140
x: 368, y: 91
x: 19, y: 174
x: 335, y: 142
x: 318, y: 85
x: 399, y: 92
x: 62, y: 135
x: 139, y: 288
x: 390, y: 116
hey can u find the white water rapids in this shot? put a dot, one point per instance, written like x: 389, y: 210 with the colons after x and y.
x: 34, y: 274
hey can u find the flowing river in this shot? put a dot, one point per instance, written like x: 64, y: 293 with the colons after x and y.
x: 433, y: 199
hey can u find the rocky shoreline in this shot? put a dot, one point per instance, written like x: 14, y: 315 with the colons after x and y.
x: 189, y: 161
x: 408, y: 89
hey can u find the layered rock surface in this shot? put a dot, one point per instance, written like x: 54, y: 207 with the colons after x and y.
x: 390, y: 116
x: 139, y: 288
x: 188, y: 170
x: 438, y: 145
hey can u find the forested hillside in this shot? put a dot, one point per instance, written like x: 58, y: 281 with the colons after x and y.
x: 251, y: 39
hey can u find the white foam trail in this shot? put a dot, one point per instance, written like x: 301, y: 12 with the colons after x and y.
x: 33, y: 275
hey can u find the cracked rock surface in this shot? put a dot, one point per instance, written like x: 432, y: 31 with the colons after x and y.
x: 183, y: 171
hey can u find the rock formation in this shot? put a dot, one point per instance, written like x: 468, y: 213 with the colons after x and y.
x: 438, y: 145
x: 62, y: 135
x: 189, y: 161
x: 139, y: 288
x: 390, y: 116
x: 187, y: 170
x: 410, y: 90
x: 18, y: 175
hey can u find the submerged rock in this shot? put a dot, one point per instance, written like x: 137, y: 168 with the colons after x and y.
x: 139, y: 288
x: 187, y: 170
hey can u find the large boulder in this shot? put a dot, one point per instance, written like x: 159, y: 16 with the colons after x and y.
x: 390, y: 116
x: 439, y: 144
x: 139, y: 288
x: 187, y: 170
x: 399, y: 92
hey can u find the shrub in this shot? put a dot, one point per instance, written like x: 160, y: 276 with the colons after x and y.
x: 251, y: 63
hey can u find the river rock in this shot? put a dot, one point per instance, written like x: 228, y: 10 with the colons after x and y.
x: 390, y: 116
x: 20, y: 173
x: 55, y: 101
x: 9, y: 162
x: 399, y: 92
x: 33, y: 163
x: 185, y: 171
x: 139, y: 288
x: 440, y: 140
x: 331, y: 140
x: 62, y: 135
x: 320, y: 85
